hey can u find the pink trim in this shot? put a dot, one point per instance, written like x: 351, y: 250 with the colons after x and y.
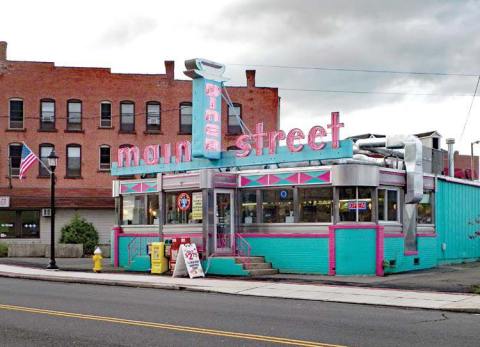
x: 391, y: 236
x: 139, y: 235
x: 331, y: 251
x: 290, y: 235
x: 427, y: 235
x: 410, y: 253
x: 380, y: 250
x: 170, y: 236
x: 354, y: 226
x: 116, y: 260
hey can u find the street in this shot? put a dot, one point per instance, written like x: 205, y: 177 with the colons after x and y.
x: 36, y: 313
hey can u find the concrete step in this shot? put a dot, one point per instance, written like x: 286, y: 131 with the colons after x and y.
x: 257, y: 266
x: 251, y: 260
x: 262, y: 272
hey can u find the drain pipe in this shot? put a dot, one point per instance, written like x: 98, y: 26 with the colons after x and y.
x: 451, y: 157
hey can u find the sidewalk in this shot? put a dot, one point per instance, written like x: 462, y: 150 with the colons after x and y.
x: 329, y: 293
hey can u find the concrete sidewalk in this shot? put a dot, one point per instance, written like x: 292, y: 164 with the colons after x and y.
x: 331, y: 293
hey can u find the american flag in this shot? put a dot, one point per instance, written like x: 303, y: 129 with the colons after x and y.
x: 28, y: 159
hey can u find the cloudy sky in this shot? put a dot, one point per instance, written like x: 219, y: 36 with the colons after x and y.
x: 321, y: 38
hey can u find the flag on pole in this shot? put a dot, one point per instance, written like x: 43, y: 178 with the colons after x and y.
x: 28, y: 159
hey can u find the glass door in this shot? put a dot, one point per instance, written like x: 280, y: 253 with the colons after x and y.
x: 224, y: 226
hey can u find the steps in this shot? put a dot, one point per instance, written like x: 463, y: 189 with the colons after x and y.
x: 256, y: 266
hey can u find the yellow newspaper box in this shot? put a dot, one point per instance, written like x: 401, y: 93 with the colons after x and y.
x: 157, y: 256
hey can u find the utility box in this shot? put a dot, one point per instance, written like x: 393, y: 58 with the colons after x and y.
x: 158, y: 260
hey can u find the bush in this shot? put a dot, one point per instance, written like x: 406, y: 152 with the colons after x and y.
x: 79, y: 231
x: 3, y: 250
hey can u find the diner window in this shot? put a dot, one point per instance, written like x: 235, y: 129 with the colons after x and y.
x: 47, y: 114
x: 153, y: 116
x: 185, y: 118
x: 425, y: 209
x: 104, y: 158
x: 315, y: 205
x: 127, y: 116
x: 388, y: 205
x: 234, y: 114
x: 175, y: 213
x: 277, y: 206
x: 15, y: 157
x: 74, y: 160
x: 45, y: 150
x: 133, y: 210
x: 16, y: 114
x: 74, y: 115
x: 19, y: 224
x: 355, y: 204
x: 248, y: 206
x: 152, y: 209
x: 105, y: 114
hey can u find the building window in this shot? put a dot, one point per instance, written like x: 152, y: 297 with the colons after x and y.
x: 105, y: 114
x: 316, y: 205
x: 153, y: 116
x: 175, y: 215
x: 45, y: 150
x: 47, y: 114
x: 388, y: 205
x: 127, y: 116
x: 74, y: 160
x: 16, y: 114
x: 74, y: 115
x: 19, y: 224
x: 355, y: 204
x: 277, y: 206
x: 248, y: 206
x: 140, y: 209
x: 104, y: 158
x: 186, y: 118
x: 15, y: 157
x: 234, y: 113
x: 425, y: 209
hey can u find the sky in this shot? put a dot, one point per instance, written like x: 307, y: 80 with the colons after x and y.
x: 437, y: 37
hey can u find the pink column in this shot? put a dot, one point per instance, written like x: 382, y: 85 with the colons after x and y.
x: 116, y: 231
x: 331, y: 250
x: 380, y: 250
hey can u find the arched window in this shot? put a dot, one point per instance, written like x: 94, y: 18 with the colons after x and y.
x: 153, y: 116
x: 104, y: 157
x: 74, y: 115
x: 44, y: 151
x: 234, y: 113
x: 185, y: 118
x: 15, y: 114
x: 47, y: 114
x: 15, y: 157
x: 74, y: 161
x: 127, y: 116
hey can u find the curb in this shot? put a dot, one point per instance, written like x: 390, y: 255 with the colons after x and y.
x: 198, y: 290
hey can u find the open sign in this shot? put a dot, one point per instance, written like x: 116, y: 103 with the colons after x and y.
x: 357, y: 205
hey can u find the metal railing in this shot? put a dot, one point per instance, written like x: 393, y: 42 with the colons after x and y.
x: 138, y: 247
x: 242, y: 249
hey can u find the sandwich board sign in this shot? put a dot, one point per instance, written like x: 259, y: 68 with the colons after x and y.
x: 188, y: 262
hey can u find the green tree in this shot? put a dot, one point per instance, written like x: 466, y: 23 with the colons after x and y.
x: 79, y: 231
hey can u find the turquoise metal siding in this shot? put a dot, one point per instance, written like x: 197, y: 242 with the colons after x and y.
x: 355, y: 252
x: 141, y: 264
x: 293, y: 255
x: 457, y: 221
x: 394, y: 250
x: 223, y: 266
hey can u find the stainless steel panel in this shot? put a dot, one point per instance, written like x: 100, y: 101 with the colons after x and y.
x: 355, y: 175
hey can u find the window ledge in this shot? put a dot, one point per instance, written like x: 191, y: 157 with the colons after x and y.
x: 74, y: 131
x: 232, y: 134
x: 47, y: 130
x: 104, y: 170
x: 73, y: 177
x: 153, y: 132
x: 180, y: 133
x: 107, y: 128
x: 127, y: 132
x: 43, y: 177
x: 19, y: 130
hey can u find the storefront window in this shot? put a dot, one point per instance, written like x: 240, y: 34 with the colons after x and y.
x: 277, y: 206
x: 355, y: 204
x: 179, y: 208
x: 152, y: 212
x: 133, y: 210
x: 388, y: 205
x: 19, y: 224
x: 425, y: 209
x: 315, y: 205
x: 248, y: 206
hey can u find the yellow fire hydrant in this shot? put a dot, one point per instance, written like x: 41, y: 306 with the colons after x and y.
x: 97, y: 260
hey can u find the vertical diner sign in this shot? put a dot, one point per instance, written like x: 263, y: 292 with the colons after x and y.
x: 207, y: 107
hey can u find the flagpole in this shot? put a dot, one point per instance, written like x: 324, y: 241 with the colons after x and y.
x: 40, y: 161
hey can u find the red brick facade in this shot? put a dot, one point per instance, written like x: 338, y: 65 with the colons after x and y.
x: 34, y: 81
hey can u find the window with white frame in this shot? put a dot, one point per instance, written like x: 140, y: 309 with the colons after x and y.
x: 104, y: 157
x: 105, y: 114
x: 355, y: 204
x: 388, y: 203
x: 16, y: 114
x: 153, y: 116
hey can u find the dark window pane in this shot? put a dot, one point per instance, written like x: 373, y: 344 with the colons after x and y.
x: 16, y: 114
x: 277, y: 206
x: 45, y: 151
x: 381, y: 204
x: 105, y: 158
x: 347, y: 204
x: 127, y: 117
x: 233, y: 123
x: 315, y: 205
x: 15, y: 153
x: 8, y: 224
x: 248, y: 206
x: 425, y: 209
x: 74, y: 117
x: 152, y: 211
x: 106, y: 115
x: 392, y: 208
x: 186, y: 118
x: 30, y: 224
x: 364, y: 204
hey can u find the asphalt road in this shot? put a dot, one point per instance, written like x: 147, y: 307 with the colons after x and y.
x: 35, y: 313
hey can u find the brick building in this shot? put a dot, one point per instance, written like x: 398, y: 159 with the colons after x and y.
x: 85, y: 114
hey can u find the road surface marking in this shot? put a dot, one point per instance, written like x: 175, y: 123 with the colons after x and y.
x: 272, y: 339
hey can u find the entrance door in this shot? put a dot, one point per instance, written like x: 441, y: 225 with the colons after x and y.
x: 224, y: 226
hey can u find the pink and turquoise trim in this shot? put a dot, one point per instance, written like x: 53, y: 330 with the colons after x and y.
x: 285, y: 179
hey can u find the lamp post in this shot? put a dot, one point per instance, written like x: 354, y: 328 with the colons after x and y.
x: 52, y: 164
x: 471, y: 158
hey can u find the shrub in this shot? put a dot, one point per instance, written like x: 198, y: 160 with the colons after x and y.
x: 3, y: 250
x: 79, y: 231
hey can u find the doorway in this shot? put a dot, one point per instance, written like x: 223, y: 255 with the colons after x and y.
x: 224, y: 221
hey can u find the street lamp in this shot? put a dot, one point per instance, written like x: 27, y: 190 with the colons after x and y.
x: 471, y: 158
x: 52, y: 164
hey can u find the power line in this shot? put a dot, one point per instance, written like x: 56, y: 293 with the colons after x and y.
x: 369, y: 92
x: 470, y: 109
x: 324, y: 68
